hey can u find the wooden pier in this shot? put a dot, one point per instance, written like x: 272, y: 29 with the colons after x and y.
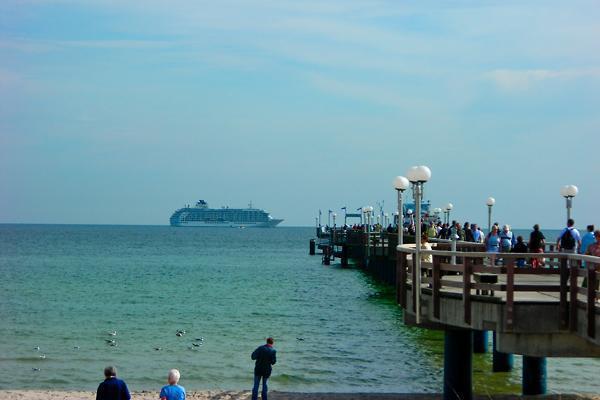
x: 551, y: 311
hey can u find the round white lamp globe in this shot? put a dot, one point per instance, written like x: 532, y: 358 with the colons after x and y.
x: 400, y: 183
x: 420, y: 173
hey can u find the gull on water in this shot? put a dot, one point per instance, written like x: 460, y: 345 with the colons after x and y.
x: 113, y: 333
x: 37, y: 348
x: 43, y: 356
x: 111, y: 341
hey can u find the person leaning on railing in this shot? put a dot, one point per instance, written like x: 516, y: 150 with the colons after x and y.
x: 594, y: 250
x: 537, y: 241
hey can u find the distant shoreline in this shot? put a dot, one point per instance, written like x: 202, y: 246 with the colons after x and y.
x: 245, y: 395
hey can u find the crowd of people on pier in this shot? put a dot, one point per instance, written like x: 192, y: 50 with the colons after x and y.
x: 501, y: 239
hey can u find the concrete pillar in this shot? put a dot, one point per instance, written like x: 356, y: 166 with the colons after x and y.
x: 502, y: 362
x: 480, y: 341
x: 534, y: 375
x: 458, y: 364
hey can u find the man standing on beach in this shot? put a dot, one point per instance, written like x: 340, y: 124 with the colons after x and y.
x: 265, y: 357
x: 112, y: 388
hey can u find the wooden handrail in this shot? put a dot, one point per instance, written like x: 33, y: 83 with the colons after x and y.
x: 567, y: 284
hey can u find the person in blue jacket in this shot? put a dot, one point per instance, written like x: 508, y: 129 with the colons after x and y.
x: 265, y: 357
x: 112, y: 388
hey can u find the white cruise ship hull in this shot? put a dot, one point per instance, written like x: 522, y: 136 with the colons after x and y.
x: 228, y: 224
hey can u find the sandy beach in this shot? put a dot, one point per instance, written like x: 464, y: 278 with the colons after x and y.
x: 245, y: 395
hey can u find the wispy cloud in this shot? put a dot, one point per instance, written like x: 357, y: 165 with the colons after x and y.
x: 519, y: 80
x: 34, y: 45
x: 369, y: 93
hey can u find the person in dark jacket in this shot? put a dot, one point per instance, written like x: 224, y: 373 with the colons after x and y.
x: 112, y: 388
x: 265, y: 357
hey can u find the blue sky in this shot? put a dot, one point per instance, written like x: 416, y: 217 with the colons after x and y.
x: 121, y: 112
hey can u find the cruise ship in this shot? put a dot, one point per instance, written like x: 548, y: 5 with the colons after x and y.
x: 202, y: 216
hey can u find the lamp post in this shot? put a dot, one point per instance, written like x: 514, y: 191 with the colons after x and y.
x: 418, y: 176
x: 568, y: 192
x: 400, y: 184
x: 367, y: 210
x: 490, y: 203
x: 436, y: 212
x: 448, y: 208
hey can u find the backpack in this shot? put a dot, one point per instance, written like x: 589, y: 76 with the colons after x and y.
x: 567, y: 241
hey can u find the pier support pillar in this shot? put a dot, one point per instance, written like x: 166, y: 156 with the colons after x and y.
x: 534, y: 375
x: 502, y: 362
x: 458, y: 364
x: 480, y: 341
x: 344, y: 259
x: 312, y: 247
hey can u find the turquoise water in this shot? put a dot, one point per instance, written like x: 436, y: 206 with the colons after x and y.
x: 64, y: 288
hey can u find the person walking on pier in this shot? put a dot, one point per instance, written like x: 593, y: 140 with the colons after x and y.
x: 587, y: 239
x: 492, y: 243
x: 265, y: 357
x: 468, y: 232
x: 537, y: 242
x: 507, y: 239
x: 569, y: 239
x: 520, y: 247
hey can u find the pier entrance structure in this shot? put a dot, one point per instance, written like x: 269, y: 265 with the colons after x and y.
x: 551, y: 311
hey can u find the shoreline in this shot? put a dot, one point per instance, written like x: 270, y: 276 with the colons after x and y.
x: 245, y: 395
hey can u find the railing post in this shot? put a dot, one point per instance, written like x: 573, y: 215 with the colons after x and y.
x: 510, y: 294
x: 436, y: 286
x: 401, y: 274
x: 591, y: 300
x: 413, y: 284
x: 466, y: 289
x: 573, y: 272
x: 564, y: 277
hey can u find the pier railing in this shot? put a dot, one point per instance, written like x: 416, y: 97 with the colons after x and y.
x: 570, y: 280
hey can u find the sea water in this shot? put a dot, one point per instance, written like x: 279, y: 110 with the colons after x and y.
x: 63, y: 288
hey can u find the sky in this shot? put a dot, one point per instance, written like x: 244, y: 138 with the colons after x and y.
x: 120, y: 112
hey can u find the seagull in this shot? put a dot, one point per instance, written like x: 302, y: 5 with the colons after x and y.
x: 37, y: 348
x: 110, y: 341
x: 179, y: 334
x: 113, y: 333
x: 200, y: 339
x: 196, y: 344
x: 300, y: 339
x: 35, y: 369
x: 76, y: 347
x: 43, y: 356
x: 158, y: 348
x: 114, y: 344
